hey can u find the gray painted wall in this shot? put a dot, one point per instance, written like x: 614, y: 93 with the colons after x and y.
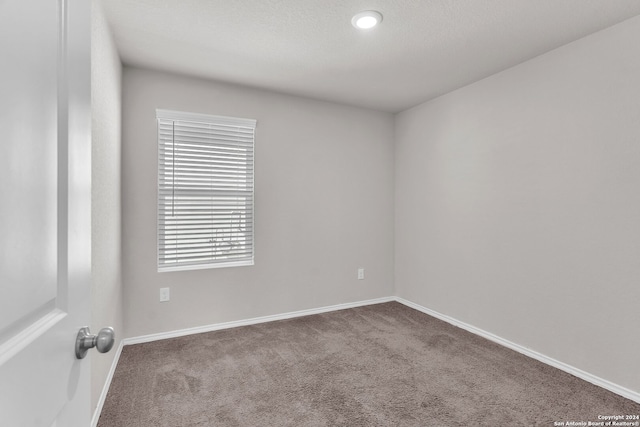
x: 106, y: 288
x: 323, y: 201
x: 518, y: 204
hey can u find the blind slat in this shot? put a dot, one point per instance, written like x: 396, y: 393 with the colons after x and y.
x: 199, y: 243
x: 187, y: 163
x: 204, y: 193
x: 204, y: 255
x: 218, y: 146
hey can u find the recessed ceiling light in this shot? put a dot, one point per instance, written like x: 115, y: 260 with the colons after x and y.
x: 366, y: 19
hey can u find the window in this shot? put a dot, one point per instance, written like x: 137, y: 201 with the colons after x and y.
x: 205, y: 191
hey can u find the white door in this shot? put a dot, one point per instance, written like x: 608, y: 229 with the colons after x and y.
x: 45, y: 196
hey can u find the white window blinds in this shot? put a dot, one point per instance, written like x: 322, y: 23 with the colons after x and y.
x: 205, y: 191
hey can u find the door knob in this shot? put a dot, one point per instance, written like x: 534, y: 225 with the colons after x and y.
x: 103, y: 342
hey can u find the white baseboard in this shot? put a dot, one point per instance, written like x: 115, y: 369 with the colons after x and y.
x: 600, y: 382
x: 107, y: 384
x: 253, y: 321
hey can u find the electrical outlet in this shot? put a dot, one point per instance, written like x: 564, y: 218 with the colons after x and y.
x: 164, y: 294
x: 361, y: 274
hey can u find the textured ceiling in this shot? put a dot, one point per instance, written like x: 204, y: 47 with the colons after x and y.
x: 422, y: 49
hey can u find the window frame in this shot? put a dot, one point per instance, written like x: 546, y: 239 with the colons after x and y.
x: 212, y: 120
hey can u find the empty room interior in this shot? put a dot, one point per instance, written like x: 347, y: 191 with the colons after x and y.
x: 438, y: 221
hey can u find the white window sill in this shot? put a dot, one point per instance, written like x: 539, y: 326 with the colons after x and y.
x: 164, y: 269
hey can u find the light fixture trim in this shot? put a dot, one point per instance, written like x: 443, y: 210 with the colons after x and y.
x: 366, y: 19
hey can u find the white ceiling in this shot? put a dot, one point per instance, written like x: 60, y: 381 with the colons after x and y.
x: 422, y: 49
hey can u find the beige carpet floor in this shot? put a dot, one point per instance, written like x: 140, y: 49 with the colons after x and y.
x: 379, y: 365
